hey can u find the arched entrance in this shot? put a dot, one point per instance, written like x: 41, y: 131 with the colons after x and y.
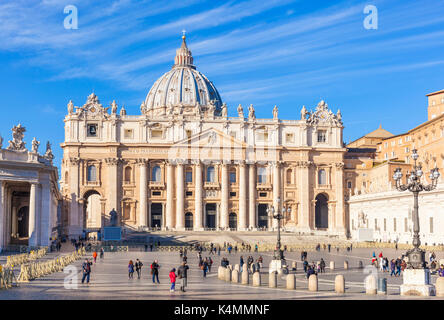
x: 188, y: 220
x: 210, y: 213
x: 92, y: 218
x: 232, y: 221
x: 156, y: 215
x: 321, y: 211
x: 23, y: 222
x: 262, y: 221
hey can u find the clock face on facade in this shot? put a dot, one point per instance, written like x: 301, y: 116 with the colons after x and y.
x: 93, y: 110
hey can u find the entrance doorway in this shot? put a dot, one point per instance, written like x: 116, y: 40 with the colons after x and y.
x: 232, y: 221
x: 210, y: 210
x: 321, y: 211
x: 23, y: 222
x: 156, y: 215
x: 188, y: 220
x: 262, y: 216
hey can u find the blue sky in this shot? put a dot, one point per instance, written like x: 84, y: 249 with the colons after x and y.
x: 283, y: 52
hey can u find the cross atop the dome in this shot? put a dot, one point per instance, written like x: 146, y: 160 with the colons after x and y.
x: 184, y: 33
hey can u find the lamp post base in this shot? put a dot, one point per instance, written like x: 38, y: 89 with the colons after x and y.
x: 416, y: 282
x: 280, y: 266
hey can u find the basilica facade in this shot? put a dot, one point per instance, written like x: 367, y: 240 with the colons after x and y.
x: 184, y: 164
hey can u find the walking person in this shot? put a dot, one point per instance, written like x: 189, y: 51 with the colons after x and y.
x: 241, y: 263
x: 182, y: 274
x: 95, y: 256
x: 102, y: 252
x: 392, y: 268
x: 130, y: 269
x: 138, y: 266
x: 86, y: 267
x: 172, y: 276
x: 204, y: 268
x: 155, y: 271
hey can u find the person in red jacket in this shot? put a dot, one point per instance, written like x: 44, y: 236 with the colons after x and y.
x: 173, y: 280
x: 95, y: 256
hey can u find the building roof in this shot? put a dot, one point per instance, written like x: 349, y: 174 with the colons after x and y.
x: 433, y: 93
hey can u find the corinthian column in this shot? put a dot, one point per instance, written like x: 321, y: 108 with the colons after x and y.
x: 252, y: 196
x: 180, y: 198
x: 224, y: 198
x: 32, y: 224
x: 198, y: 197
x: 242, y: 225
x: 170, y: 197
x: 143, y: 194
x: 276, y: 191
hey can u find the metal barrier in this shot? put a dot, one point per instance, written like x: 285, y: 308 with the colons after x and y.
x: 19, y: 259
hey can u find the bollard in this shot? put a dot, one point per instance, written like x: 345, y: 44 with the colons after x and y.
x: 221, y: 273
x: 236, y: 267
x: 235, y: 276
x: 294, y: 266
x: 439, y: 287
x: 313, y: 283
x: 370, y: 285
x: 245, y: 277
x: 382, y: 286
x: 332, y: 265
x: 272, y: 279
x: 256, y: 279
x: 227, y: 275
x: 339, y: 284
x: 360, y: 265
x: 345, y: 265
x: 291, y: 282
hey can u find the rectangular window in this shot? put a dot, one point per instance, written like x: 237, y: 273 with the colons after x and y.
x: 322, y: 136
x: 156, y: 193
x: 262, y: 136
x: 385, y: 224
x: 406, y: 225
x: 263, y: 194
x: 394, y: 224
x: 92, y: 130
x: 233, y: 177
x: 376, y: 224
x: 431, y: 224
x: 189, y: 176
x: 232, y: 194
x: 189, y: 193
x: 289, y: 137
x: 129, y: 134
x: 349, y: 184
x: 156, y: 134
x: 353, y: 224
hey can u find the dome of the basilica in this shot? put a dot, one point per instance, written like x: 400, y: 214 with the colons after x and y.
x: 182, y: 89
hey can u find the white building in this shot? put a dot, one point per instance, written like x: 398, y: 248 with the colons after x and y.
x: 29, y: 193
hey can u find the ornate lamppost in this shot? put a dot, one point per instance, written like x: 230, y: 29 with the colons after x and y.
x: 416, y: 256
x: 278, y: 215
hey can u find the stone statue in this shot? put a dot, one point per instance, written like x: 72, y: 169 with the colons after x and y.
x: 211, y: 107
x: 70, y: 107
x: 224, y: 110
x: 123, y: 111
x: 251, y: 115
x: 48, y: 154
x: 35, y: 145
x: 240, y: 111
x: 275, y: 112
x: 113, y: 218
x: 114, y: 107
x: 17, y: 143
x: 1, y: 142
x: 339, y: 116
x: 303, y: 113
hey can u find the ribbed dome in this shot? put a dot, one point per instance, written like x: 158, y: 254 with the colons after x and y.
x: 184, y: 87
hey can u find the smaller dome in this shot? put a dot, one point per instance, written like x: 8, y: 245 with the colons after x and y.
x: 184, y: 87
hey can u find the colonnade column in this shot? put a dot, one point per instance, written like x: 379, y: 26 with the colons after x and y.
x: 112, y: 188
x: 2, y: 216
x: 180, y: 197
x: 252, y: 196
x: 304, y: 196
x: 224, y: 198
x: 276, y: 191
x: 242, y: 222
x: 198, y: 226
x: 339, y: 208
x: 170, y: 196
x: 32, y: 222
x: 143, y: 193
x: 14, y: 220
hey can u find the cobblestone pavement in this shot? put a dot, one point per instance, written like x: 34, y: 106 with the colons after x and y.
x: 109, y: 279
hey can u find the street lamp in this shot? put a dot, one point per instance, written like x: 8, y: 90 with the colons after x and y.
x: 276, y: 214
x: 416, y: 256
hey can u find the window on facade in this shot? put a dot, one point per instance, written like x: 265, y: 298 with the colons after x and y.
x: 92, y: 130
x: 211, y: 174
x: 385, y: 224
x: 393, y: 154
x: 128, y: 174
x: 189, y: 193
x: 129, y: 133
x: 188, y: 134
x: 156, y: 174
x: 233, y: 176
x: 385, y: 155
x: 66, y: 177
x: 262, y: 136
x: 261, y: 175
x: 376, y: 224
x: 353, y: 224
x: 156, y: 134
x: 385, y: 145
x: 92, y: 174
x: 289, y: 176
x: 394, y: 224
x: 349, y: 184
x: 431, y: 224
x: 189, y: 176
x: 322, y: 177
x: 232, y: 194
x: 406, y: 225
x: 289, y: 137
x: 322, y: 136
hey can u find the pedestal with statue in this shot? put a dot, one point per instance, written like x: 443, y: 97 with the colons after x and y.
x: 113, y: 232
